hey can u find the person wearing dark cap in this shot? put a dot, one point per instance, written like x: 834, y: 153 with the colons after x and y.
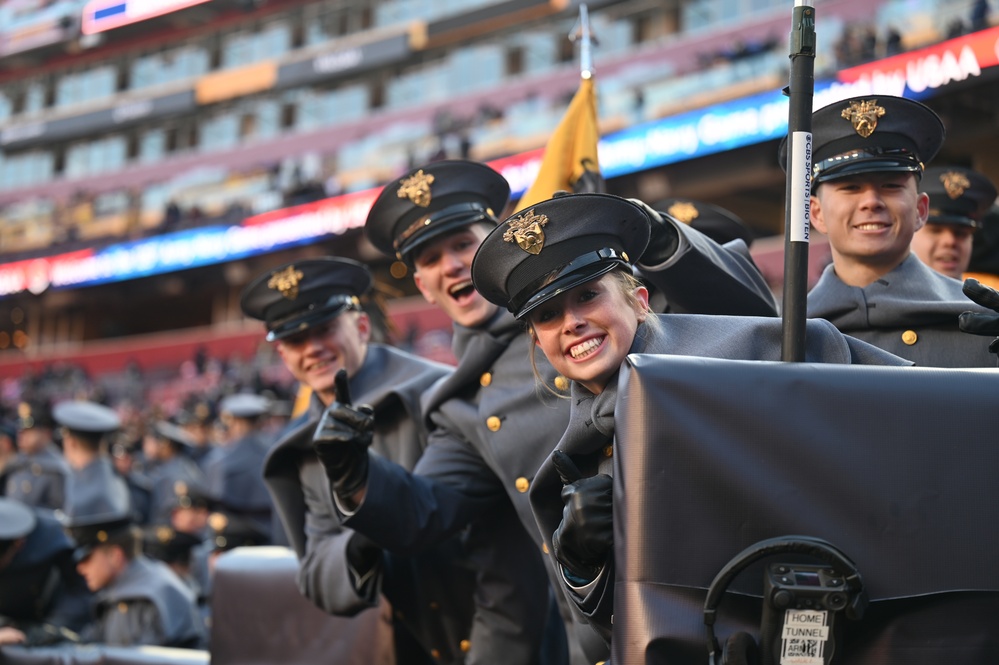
x: 94, y: 486
x: 197, y: 418
x: 984, y: 264
x: 234, y: 470
x: 185, y: 554
x: 165, y: 448
x: 564, y: 267
x: 189, y: 511
x: 868, y: 157
x: 487, y: 418
x: 38, y: 474
x: 312, y: 312
x: 43, y: 599
x: 129, y: 462
x: 174, y: 548
x: 720, y: 225
x: 139, y: 601
x: 959, y: 198
x: 230, y: 530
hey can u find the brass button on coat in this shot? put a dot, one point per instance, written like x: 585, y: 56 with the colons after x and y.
x: 608, y: 451
x: 465, y: 645
x: 493, y: 423
x: 909, y: 337
x: 522, y: 484
x: 485, y: 379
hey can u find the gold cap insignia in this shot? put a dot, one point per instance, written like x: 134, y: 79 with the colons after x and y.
x: 955, y: 183
x: 863, y: 116
x: 218, y: 521
x: 684, y: 211
x: 286, y: 281
x: 164, y: 534
x: 527, y: 231
x: 416, y: 188
x: 102, y: 536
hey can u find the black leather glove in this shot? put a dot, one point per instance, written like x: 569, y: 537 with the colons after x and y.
x: 982, y: 323
x: 582, y: 542
x: 341, y: 442
x: 664, y: 239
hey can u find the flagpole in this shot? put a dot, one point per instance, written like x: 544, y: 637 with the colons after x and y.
x: 585, y: 38
x: 800, y: 91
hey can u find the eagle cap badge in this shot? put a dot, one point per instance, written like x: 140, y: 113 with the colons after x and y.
x: 863, y: 115
x: 527, y: 231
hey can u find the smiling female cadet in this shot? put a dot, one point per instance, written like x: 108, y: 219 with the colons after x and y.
x: 564, y: 268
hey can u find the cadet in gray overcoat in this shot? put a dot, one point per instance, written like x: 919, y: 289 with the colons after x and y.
x: 491, y: 425
x: 312, y: 312
x: 562, y: 267
x: 869, y: 154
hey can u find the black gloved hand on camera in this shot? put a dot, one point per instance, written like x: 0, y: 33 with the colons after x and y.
x: 664, y: 239
x: 582, y: 542
x: 982, y: 323
x: 341, y: 442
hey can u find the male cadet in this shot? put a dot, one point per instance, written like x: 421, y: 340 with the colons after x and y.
x: 959, y: 198
x: 492, y: 426
x: 42, y: 598
x: 235, y: 469
x: 868, y: 156
x: 312, y: 312
x: 197, y: 418
x: 139, y: 601
x: 93, y: 482
x: 165, y: 448
x: 37, y: 475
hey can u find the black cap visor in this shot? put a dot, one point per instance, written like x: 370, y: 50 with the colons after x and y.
x: 433, y: 226
x: 867, y: 160
x: 579, y: 271
x: 313, y: 315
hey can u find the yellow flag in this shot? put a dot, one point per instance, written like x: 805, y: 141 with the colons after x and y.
x: 570, y: 160
x: 302, y: 398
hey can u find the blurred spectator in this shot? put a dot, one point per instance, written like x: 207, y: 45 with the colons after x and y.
x: 980, y: 15
x: 37, y: 476
x: 893, y: 42
x: 43, y: 599
x: 955, y: 28
x: 167, y: 451
x: 141, y: 601
x: 235, y: 469
x: 171, y: 217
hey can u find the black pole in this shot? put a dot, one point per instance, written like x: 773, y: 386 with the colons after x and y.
x: 797, y: 215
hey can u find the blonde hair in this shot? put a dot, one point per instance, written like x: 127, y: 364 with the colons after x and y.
x: 627, y: 283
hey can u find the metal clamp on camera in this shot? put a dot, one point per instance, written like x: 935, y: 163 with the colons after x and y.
x: 801, y: 604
